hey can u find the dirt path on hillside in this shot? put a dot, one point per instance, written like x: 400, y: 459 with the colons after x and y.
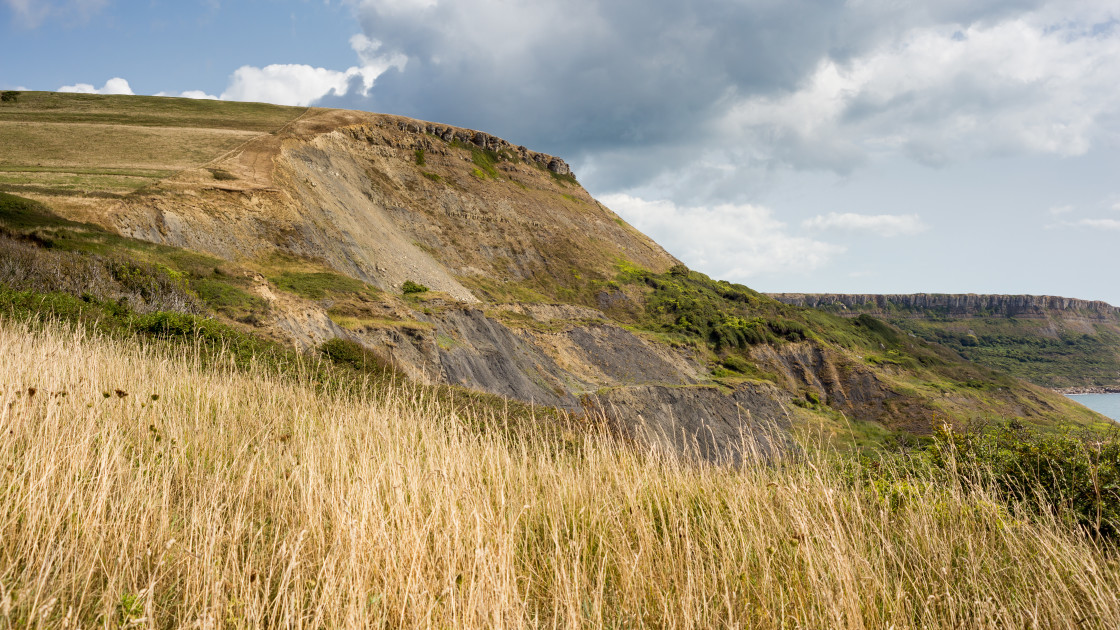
x: 253, y: 162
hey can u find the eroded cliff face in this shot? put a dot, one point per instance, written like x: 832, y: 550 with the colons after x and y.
x: 388, y: 200
x: 1057, y: 342
x: 953, y: 305
x: 520, y: 263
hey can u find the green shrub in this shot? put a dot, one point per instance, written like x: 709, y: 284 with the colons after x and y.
x: 485, y: 161
x: 420, y: 161
x: 1075, y: 477
x: 354, y: 355
x: 10, y: 96
x: 219, y: 294
x: 410, y: 287
x: 320, y: 284
x: 737, y: 363
x: 31, y: 264
x: 221, y: 174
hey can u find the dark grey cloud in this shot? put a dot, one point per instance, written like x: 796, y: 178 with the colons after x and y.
x: 664, y: 86
x: 584, y: 75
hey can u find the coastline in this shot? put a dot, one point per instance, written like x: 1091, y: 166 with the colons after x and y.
x: 1074, y: 391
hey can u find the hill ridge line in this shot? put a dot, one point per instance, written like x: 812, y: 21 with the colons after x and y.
x: 1009, y: 305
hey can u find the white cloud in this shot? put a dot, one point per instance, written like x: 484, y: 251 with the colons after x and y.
x: 1059, y: 210
x: 1038, y: 84
x: 299, y: 84
x: 734, y: 241
x: 283, y: 84
x: 116, y: 85
x: 199, y: 94
x: 1099, y: 224
x: 882, y: 224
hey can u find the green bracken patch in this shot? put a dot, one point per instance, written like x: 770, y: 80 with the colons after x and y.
x: 409, y: 287
x: 316, y: 285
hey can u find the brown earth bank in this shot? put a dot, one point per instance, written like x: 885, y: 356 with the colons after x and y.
x: 521, y: 265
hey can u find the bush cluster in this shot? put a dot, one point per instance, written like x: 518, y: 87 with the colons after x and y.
x: 409, y: 287
x: 1076, y: 477
x: 352, y: 354
x: 726, y: 316
x: 144, y: 288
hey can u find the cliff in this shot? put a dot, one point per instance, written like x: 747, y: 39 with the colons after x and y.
x: 465, y: 259
x: 1064, y: 343
x: 953, y: 305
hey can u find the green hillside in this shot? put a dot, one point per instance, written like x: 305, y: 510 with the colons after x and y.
x: 1053, y: 342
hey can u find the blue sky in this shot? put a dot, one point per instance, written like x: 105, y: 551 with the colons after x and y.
x: 803, y: 145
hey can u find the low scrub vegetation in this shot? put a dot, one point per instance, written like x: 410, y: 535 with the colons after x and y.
x: 1027, y: 350
x: 141, y: 287
x: 409, y: 287
x: 1076, y: 477
x: 144, y: 487
x: 317, y: 285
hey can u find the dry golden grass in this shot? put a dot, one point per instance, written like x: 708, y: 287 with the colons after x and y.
x: 82, y: 146
x: 72, y: 146
x: 242, y: 500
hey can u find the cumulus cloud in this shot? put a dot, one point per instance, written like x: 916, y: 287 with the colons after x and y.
x: 737, y: 241
x: 943, y: 93
x: 887, y: 225
x: 299, y: 84
x: 757, y: 86
x: 284, y: 84
x: 116, y: 85
x: 199, y: 94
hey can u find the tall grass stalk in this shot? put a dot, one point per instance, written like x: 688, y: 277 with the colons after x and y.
x: 140, y: 489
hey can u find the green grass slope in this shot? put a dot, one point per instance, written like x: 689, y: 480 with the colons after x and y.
x: 1053, y: 342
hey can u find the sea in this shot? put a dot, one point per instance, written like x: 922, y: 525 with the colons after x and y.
x: 1107, y: 404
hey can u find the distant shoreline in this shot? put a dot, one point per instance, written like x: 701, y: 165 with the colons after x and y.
x: 1074, y: 391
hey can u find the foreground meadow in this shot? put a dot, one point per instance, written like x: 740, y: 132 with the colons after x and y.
x: 140, y: 489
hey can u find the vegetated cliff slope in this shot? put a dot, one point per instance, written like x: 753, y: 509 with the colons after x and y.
x: 464, y: 259
x: 1052, y: 341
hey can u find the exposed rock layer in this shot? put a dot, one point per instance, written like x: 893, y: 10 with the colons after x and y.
x: 951, y: 304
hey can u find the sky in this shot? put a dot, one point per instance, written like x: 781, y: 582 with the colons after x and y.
x: 859, y: 146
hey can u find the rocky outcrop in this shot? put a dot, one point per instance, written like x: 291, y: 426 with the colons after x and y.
x: 717, y: 426
x: 951, y: 305
x: 485, y: 141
